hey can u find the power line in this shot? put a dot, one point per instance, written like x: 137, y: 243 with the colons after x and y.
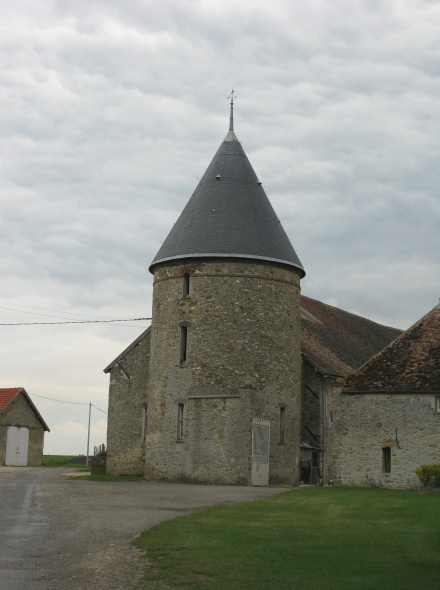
x: 77, y: 322
x: 96, y: 408
x: 62, y: 401
x: 67, y: 320
x: 54, y: 311
x: 45, y: 314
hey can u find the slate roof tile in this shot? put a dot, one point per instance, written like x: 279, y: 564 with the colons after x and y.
x: 229, y: 215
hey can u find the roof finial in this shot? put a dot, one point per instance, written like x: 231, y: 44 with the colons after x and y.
x: 231, y: 118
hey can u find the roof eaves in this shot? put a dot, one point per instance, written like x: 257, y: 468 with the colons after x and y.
x: 229, y: 255
x: 305, y: 445
x: 319, y: 369
x: 127, y: 350
x: 34, y: 409
x: 31, y: 405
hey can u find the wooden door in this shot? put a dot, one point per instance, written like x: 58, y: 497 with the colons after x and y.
x: 17, y: 446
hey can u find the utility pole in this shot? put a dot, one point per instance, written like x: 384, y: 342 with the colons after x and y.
x: 88, y: 435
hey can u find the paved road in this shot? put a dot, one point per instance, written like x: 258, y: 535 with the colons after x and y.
x: 58, y: 533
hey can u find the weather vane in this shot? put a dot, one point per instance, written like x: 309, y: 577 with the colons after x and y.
x: 231, y: 117
x: 231, y: 96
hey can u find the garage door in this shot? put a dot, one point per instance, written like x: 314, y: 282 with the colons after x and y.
x: 17, y: 446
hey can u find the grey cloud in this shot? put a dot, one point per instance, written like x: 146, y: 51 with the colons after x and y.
x: 110, y: 114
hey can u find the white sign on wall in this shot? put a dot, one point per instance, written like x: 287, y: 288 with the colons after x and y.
x: 260, y: 452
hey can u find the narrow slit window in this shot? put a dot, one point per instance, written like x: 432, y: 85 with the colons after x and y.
x: 186, y: 284
x: 282, y: 425
x: 183, y: 343
x: 144, y: 423
x: 386, y: 459
x: 180, y: 408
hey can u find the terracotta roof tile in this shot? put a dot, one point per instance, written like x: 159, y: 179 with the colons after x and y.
x: 410, y: 363
x: 338, y: 342
x: 7, y: 394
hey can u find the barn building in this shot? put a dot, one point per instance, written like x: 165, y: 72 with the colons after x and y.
x: 22, y: 429
x: 386, y: 415
x: 212, y: 391
x: 333, y: 344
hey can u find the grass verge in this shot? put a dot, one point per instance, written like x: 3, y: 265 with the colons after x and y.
x: 105, y: 477
x: 332, y: 538
x: 62, y: 461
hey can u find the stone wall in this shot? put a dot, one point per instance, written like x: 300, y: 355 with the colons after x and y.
x: 363, y: 424
x: 127, y: 405
x: 18, y: 413
x: 243, y: 361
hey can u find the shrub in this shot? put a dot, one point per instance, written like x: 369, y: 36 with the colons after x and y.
x: 429, y: 475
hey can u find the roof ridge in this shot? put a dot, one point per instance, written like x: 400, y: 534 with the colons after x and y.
x: 9, y: 388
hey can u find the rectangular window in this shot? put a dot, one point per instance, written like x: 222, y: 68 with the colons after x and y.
x: 180, y: 408
x: 186, y: 284
x: 144, y: 424
x: 183, y: 343
x: 282, y: 425
x: 437, y: 403
x: 386, y: 459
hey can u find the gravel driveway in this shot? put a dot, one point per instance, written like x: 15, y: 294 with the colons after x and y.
x: 59, y: 533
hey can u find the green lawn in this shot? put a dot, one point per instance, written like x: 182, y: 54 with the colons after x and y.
x: 329, y: 538
x: 105, y: 477
x: 62, y: 461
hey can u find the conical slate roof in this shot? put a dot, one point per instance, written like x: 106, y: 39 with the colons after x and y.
x: 229, y: 215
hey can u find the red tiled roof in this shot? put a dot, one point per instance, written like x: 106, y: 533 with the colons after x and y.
x: 338, y: 342
x: 410, y: 363
x: 7, y: 394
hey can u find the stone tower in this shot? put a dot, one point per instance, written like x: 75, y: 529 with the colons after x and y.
x: 225, y: 336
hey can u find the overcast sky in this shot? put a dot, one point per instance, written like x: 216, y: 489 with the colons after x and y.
x: 110, y: 113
